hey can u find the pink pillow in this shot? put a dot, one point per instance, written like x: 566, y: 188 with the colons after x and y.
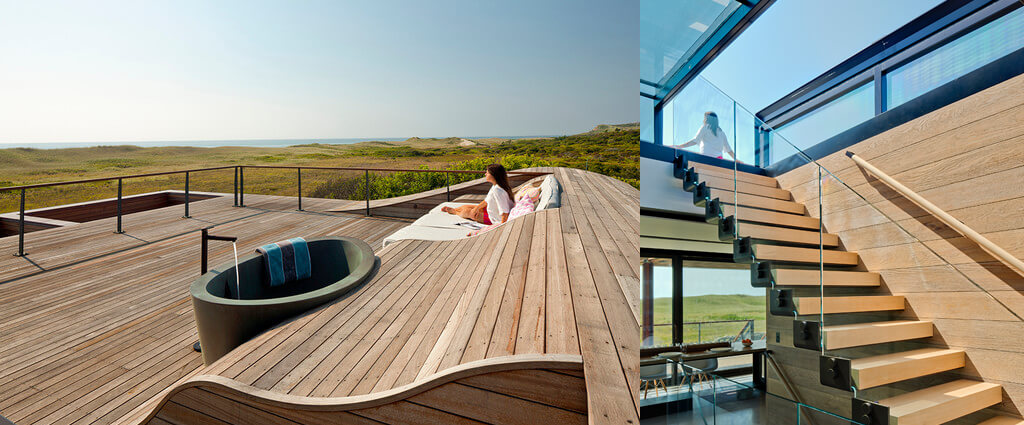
x: 523, y: 207
x: 530, y: 192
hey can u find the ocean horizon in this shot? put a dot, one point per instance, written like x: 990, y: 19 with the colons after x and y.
x: 264, y: 143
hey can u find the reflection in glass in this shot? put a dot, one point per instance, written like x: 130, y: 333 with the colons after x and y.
x: 842, y: 113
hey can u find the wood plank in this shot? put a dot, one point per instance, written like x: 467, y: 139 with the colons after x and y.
x: 804, y: 255
x: 852, y: 304
x: 784, y: 235
x: 728, y: 173
x: 754, y: 201
x: 800, y: 277
x: 858, y: 334
x: 868, y: 372
x: 942, y: 403
x: 727, y: 183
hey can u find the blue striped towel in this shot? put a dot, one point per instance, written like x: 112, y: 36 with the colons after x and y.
x: 286, y: 260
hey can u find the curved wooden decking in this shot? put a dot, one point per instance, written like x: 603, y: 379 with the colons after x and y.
x: 560, y: 282
x: 557, y: 283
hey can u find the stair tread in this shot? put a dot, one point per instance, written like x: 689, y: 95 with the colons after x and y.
x: 873, y: 325
x: 771, y: 217
x: 869, y: 372
x: 850, y: 304
x: 726, y: 183
x: 803, y: 255
x: 1003, y: 420
x: 703, y: 168
x: 755, y: 201
x: 798, y: 277
x: 781, y: 234
x: 901, y: 357
x: 861, y: 334
x: 962, y: 396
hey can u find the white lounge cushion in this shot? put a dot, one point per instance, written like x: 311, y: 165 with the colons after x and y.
x: 550, y: 194
x: 435, y: 225
x: 426, y: 233
x: 437, y: 218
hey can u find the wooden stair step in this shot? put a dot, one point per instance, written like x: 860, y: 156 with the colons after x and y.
x: 748, y: 200
x: 860, y: 334
x: 778, y: 234
x: 1003, y: 420
x: 792, y: 254
x: 799, y: 277
x: 723, y: 183
x: 771, y: 217
x: 869, y: 372
x: 942, y: 403
x: 711, y: 170
x: 855, y: 304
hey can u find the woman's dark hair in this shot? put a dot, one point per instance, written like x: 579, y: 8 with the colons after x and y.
x: 712, y: 119
x: 501, y: 176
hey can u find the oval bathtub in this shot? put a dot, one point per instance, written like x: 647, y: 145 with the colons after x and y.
x: 338, y: 264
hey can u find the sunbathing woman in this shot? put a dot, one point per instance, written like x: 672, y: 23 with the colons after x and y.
x: 495, y: 206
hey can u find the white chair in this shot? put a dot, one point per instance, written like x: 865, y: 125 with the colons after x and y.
x: 653, y: 376
x: 700, y: 370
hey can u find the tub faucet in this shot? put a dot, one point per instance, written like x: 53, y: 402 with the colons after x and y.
x: 207, y: 237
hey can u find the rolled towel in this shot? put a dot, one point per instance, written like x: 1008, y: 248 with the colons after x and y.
x: 286, y: 260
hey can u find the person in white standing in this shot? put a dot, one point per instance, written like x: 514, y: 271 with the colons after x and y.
x: 710, y: 139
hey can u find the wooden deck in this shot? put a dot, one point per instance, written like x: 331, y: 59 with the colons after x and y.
x: 99, y: 328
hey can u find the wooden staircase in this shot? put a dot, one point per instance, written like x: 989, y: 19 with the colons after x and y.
x: 787, y: 251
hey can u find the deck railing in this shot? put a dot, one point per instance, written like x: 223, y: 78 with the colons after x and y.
x: 748, y: 328
x: 239, y: 186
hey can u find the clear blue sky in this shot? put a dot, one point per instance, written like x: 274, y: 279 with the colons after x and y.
x: 795, y: 41
x: 74, y: 71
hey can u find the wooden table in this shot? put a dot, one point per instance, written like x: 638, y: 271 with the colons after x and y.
x: 757, y: 350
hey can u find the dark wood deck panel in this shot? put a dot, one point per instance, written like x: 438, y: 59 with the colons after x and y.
x: 107, y: 323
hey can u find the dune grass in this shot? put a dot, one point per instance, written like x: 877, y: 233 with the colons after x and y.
x: 615, y: 153
x: 706, y: 308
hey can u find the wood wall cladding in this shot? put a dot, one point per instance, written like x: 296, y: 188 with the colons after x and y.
x: 510, y: 397
x: 968, y: 159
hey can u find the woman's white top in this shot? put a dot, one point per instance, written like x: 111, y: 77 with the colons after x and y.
x: 711, y: 144
x: 498, y: 203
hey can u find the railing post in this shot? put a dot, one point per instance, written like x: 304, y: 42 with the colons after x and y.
x: 119, y: 186
x: 448, y: 184
x: 367, y: 193
x: 186, y: 195
x: 698, y: 332
x: 21, y: 226
x: 241, y: 186
x: 300, y: 187
x: 235, y: 192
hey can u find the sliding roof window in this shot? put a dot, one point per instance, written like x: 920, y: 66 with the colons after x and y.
x: 992, y: 41
x: 836, y: 116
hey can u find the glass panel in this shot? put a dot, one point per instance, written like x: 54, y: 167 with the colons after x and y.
x: 687, y: 118
x: 657, y: 302
x: 647, y: 120
x: 670, y: 30
x: 719, y: 305
x: 842, y: 113
x: 958, y: 57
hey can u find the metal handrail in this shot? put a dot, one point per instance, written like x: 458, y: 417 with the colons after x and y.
x: 239, y: 186
x: 996, y: 251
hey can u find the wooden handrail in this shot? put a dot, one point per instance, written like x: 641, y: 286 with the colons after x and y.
x: 996, y: 251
